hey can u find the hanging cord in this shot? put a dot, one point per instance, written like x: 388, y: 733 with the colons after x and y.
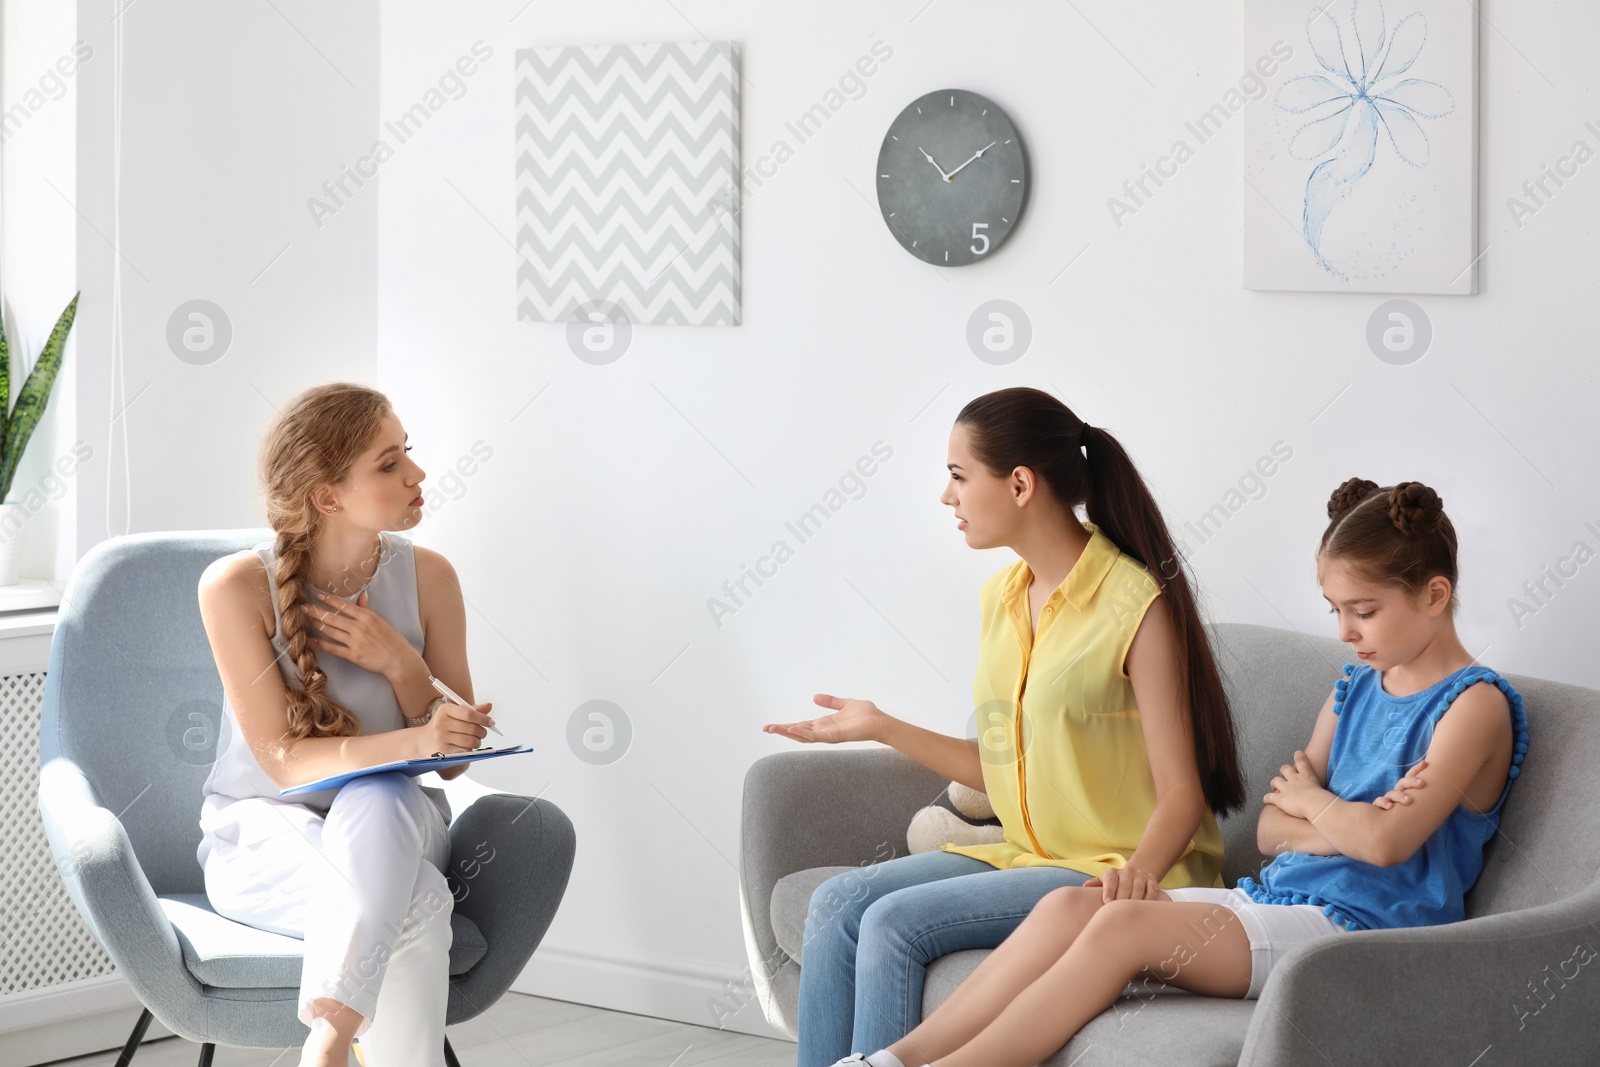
x: 119, y: 388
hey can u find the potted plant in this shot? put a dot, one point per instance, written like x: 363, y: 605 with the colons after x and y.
x: 17, y: 425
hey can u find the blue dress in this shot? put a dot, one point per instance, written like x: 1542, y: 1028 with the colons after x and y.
x: 1378, y: 738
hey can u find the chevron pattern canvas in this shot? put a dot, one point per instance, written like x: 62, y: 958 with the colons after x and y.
x: 627, y: 155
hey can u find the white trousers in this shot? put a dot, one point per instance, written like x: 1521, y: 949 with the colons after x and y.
x: 364, y: 886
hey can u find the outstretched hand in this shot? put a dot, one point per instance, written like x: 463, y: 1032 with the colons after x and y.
x: 853, y: 720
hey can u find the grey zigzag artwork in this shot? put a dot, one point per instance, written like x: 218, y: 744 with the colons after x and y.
x: 626, y: 159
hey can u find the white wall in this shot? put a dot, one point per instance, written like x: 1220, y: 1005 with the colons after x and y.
x: 39, y: 65
x: 625, y: 495
x: 233, y: 115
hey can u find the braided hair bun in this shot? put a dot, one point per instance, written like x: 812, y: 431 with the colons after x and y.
x: 1348, y: 495
x: 1415, y: 509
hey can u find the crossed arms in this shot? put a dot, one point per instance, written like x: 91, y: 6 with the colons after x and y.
x: 1302, y: 815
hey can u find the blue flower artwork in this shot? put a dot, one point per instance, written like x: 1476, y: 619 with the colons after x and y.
x: 1363, y: 97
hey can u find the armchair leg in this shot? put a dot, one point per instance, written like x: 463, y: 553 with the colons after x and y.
x: 136, y: 1036
x: 450, y: 1055
x: 205, y: 1054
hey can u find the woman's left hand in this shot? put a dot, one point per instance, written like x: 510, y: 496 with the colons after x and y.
x: 1297, y: 790
x: 365, y: 638
x: 1126, y: 883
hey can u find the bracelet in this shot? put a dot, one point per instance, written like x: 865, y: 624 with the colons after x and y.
x: 422, y: 719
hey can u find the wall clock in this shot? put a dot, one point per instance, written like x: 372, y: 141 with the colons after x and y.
x: 952, y: 178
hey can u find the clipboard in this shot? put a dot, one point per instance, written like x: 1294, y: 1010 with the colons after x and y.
x: 409, y: 767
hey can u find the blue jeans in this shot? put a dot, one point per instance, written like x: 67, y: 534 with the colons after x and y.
x: 872, y: 932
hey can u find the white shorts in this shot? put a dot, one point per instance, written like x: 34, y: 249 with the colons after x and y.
x: 1273, y: 929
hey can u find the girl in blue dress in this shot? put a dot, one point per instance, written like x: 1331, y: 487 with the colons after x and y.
x: 1360, y: 844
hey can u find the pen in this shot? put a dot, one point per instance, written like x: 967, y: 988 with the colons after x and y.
x: 450, y: 694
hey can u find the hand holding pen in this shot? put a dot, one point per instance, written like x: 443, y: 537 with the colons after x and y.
x: 450, y: 694
x: 456, y: 726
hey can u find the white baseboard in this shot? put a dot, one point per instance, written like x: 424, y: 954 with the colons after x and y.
x: 73, y: 1019
x: 697, y: 993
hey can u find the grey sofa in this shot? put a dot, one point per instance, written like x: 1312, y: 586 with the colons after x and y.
x: 1517, y: 982
x: 127, y: 736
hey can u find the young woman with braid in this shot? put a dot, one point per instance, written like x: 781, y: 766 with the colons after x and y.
x: 355, y: 619
x: 1371, y: 848
x: 1105, y: 742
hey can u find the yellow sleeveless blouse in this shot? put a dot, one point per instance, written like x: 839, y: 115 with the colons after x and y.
x: 1070, y: 777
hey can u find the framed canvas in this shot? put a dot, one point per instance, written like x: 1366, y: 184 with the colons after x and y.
x: 1360, y: 166
x: 627, y: 158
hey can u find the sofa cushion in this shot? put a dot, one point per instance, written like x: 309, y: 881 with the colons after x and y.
x: 221, y: 952
x: 791, y: 899
x: 1150, y: 1024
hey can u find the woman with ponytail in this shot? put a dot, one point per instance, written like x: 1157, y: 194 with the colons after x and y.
x: 1105, y: 741
x: 355, y: 619
x: 1377, y: 847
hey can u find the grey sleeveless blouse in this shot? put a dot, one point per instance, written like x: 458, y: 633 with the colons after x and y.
x: 392, y: 593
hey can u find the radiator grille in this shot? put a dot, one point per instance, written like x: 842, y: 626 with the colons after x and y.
x: 46, y: 943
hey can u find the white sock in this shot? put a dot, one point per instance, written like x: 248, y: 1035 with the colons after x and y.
x: 884, y: 1058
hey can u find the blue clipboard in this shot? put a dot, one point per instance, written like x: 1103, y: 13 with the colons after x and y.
x: 409, y: 767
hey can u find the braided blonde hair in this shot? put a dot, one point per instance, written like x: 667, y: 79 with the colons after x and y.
x: 314, y: 441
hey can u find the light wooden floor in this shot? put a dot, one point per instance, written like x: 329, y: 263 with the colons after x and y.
x: 524, y: 1031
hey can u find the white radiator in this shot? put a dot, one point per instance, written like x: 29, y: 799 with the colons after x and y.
x: 46, y: 943
x: 60, y: 995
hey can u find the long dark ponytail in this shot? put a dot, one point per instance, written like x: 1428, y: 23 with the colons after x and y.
x: 1024, y: 427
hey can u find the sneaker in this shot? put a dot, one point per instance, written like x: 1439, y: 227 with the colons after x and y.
x: 855, y: 1059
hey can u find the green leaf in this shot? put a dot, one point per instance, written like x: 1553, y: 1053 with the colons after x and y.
x: 5, y: 382
x: 33, y: 396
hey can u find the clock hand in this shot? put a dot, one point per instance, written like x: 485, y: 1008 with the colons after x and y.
x: 975, y: 155
x: 936, y: 166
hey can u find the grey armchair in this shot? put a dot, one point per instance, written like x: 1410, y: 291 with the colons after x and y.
x: 1520, y: 975
x: 127, y: 735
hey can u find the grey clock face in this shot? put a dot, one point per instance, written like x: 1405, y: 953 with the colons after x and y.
x: 952, y: 178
